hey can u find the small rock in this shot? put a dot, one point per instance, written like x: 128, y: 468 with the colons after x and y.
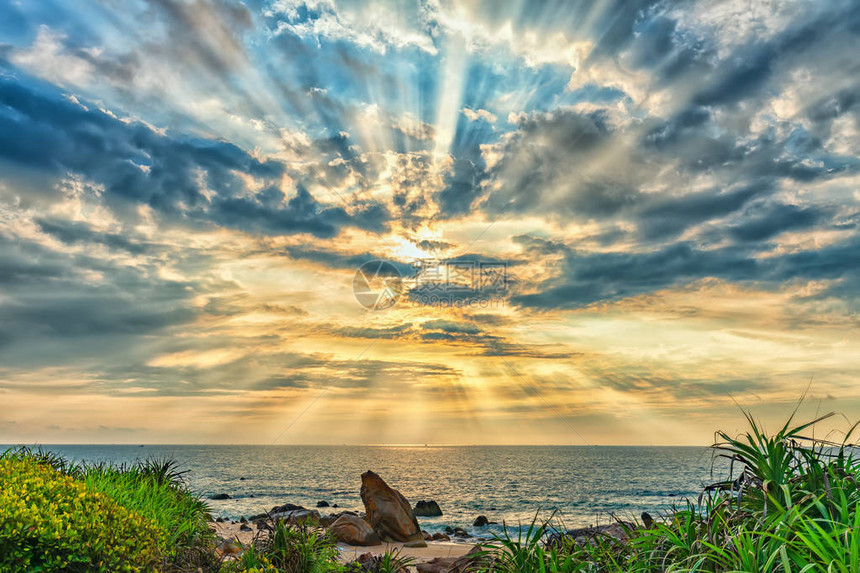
x: 364, y: 562
x: 459, y: 532
x: 219, y: 520
x: 468, y: 562
x: 285, y: 508
x: 427, y: 509
x: 322, y: 504
x: 243, y: 520
x: 297, y: 516
x: 416, y: 543
x: 481, y: 521
x: 647, y: 520
x: 335, y: 505
x: 427, y: 536
x: 449, y: 530
x: 438, y: 536
x: 220, y: 496
x: 586, y: 535
x: 242, y: 479
x: 244, y: 527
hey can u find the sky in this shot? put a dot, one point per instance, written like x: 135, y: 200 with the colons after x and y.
x: 188, y: 189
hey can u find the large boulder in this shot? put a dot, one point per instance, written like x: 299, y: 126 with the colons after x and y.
x: 353, y: 530
x: 427, y: 509
x: 388, y: 512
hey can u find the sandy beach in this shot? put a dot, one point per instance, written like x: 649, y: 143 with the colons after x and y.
x: 349, y: 553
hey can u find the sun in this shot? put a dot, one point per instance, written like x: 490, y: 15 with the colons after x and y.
x: 423, y: 244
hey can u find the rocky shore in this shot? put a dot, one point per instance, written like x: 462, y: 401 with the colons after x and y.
x: 387, y: 523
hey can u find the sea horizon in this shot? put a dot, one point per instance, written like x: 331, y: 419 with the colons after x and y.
x: 508, y: 484
x: 347, y: 445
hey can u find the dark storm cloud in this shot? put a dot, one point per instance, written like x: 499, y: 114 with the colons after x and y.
x: 540, y: 172
x: 358, y: 375
x: 743, y: 77
x: 94, y: 314
x: 390, y: 332
x: 54, y: 310
x: 77, y: 232
x: 450, y: 326
x: 545, y: 170
x: 477, y: 341
x: 41, y: 132
x: 670, y: 216
x: 638, y: 380
x: 766, y: 222
x: 543, y: 154
x: 545, y: 163
x: 301, y: 214
x: 343, y: 261
x: 834, y: 105
x: 433, y: 245
x: 586, y: 278
x: 462, y: 185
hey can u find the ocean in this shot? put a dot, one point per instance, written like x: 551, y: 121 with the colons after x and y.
x: 585, y: 485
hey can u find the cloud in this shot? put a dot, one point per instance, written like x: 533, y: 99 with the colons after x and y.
x: 586, y: 278
x: 183, y: 178
x: 183, y: 205
x: 450, y: 327
x: 79, y: 232
x: 479, y: 115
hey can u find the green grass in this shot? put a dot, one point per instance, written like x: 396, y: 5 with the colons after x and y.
x: 156, y: 492
x: 791, y: 507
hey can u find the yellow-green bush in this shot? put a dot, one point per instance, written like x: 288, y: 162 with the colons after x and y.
x: 250, y: 561
x: 51, y: 522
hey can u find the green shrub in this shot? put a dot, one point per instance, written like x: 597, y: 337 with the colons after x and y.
x: 84, y: 499
x: 52, y: 522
